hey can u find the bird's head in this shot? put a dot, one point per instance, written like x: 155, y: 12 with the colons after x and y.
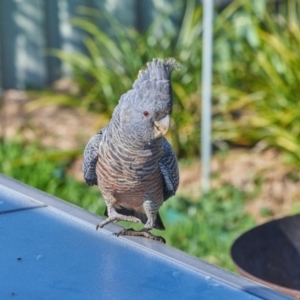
x: 144, y: 112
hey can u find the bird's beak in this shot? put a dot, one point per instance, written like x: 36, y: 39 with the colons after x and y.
x: 161, y: 126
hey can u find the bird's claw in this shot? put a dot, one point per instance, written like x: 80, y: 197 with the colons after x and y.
x: 124, y: 231
x: 144, y: 233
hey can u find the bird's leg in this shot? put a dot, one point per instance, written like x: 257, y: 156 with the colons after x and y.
x: 113, y: 216
x: 144, y: 232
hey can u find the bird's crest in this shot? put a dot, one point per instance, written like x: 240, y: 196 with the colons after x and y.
x: 157, y: 70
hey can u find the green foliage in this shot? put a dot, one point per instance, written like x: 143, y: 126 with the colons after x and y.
x: 205, y: 228
x: 257, y: 76
x: 45, y: 170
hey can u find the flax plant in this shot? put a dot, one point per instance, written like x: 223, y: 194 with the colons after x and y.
x: 257, y: 76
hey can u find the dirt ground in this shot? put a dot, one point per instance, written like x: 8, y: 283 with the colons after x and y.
x: 273, y: 185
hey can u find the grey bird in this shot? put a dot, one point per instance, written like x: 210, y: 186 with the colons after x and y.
x: 130, y: 160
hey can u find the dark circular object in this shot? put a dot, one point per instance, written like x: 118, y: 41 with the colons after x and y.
x: 270, y: 254
x: 146, y: 113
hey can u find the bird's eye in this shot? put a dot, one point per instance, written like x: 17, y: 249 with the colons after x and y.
x: 146, y: 113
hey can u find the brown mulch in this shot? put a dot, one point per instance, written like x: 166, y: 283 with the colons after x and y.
x: 273, y: 188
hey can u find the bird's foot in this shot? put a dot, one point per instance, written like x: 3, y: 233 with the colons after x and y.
x: 116, y: 218
x: 143, y: 232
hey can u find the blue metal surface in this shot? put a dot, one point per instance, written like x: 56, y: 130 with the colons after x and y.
x: 52, y: 251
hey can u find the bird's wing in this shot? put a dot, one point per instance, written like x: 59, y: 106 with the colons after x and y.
x: 169, y: 169
x: 90, y: 158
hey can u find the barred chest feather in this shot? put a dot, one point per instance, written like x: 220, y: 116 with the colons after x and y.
x: 130, y: 177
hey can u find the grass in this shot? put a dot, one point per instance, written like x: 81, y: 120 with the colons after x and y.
x: 47, y: 173
x: 205, y: 228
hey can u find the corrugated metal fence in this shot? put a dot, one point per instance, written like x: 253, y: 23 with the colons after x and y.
x: 28, y: 28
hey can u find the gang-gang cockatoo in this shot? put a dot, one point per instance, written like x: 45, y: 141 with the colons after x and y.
x: 133, y: 164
